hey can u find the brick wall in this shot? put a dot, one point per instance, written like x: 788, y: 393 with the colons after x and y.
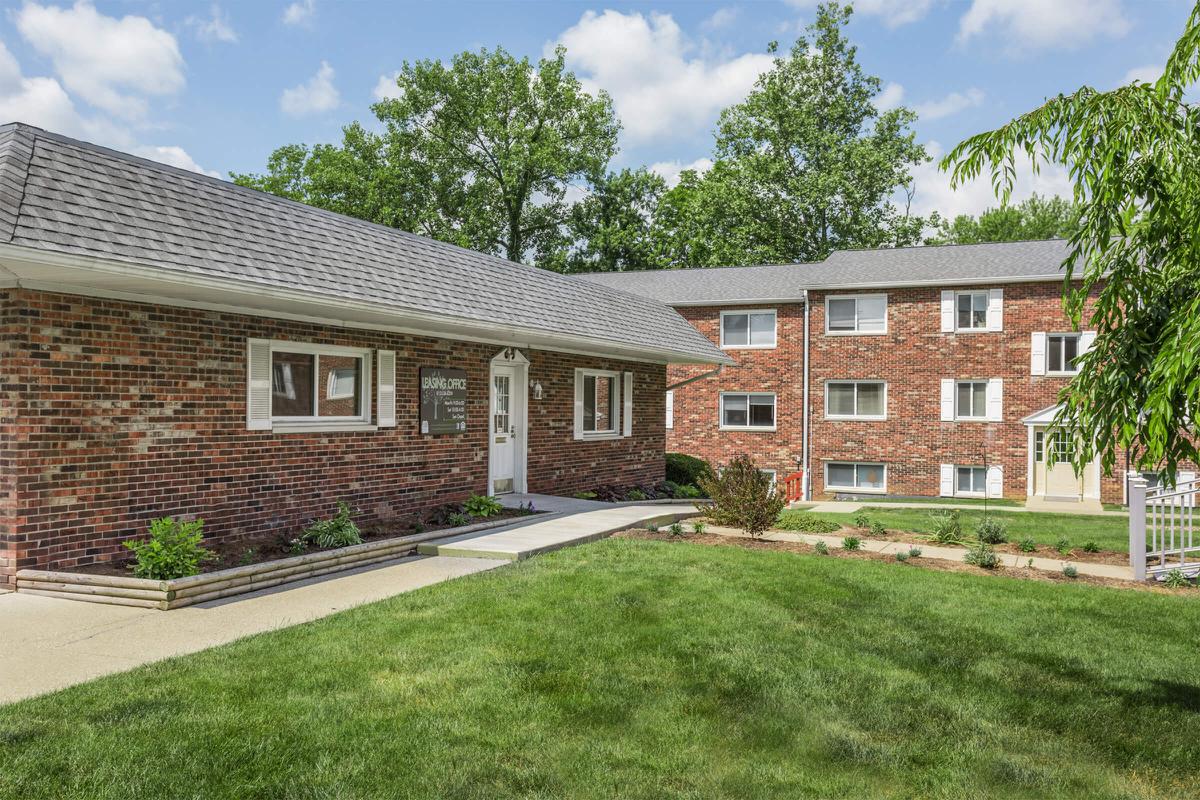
x: 118, y: 412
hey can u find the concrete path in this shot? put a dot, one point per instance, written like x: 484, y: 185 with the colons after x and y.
x: 555, y: 532
x: 942, y: 552
x: 48, y: 644
x: 852, y: 506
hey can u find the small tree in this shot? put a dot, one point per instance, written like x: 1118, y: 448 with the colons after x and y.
x: 743, y: 497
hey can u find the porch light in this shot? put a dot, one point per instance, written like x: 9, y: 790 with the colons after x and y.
x: 537, y: 389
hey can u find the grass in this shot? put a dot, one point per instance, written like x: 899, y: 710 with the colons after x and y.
x: 1111, y: 533
x: 639, y: 669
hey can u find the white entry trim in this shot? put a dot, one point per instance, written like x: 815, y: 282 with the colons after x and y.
x: 516, y: 360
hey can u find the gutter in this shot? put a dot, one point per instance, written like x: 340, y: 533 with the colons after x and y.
x: 712, y: 373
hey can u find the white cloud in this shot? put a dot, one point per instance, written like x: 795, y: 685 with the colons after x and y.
x: 1148, y: 73
x: 318, y: 95
x: 300, y: 13
x: 174, y: 156
x: 646, y: 64
x: 893, y: 13
x: 1036, y: 24
x: 386, y: 87
x: 670, y: 170
x: 215, y: 28
x: 891, y: 96
x: 950, y: 104
x: 110, y: 63
x: 721, y: 18
x: 933, y: 192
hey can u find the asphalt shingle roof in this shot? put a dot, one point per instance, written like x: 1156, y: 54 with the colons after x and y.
x: 847, y: 269
x: 59, y: 194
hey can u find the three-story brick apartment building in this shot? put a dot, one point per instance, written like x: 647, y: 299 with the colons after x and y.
x: 919, y: 371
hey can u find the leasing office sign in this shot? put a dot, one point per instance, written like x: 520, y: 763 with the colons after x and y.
x: 443, y: 400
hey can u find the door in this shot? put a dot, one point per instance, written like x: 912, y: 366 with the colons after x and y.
x: 503, y: 430
x: 1057, y: 479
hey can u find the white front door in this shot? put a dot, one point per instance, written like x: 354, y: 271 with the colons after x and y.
x: 503, y: 429
x: 1057, y: 480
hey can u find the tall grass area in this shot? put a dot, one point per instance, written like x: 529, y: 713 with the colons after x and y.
x: 638, y: 669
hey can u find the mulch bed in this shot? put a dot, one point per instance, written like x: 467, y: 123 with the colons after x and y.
x: 938, y: 565
x: 274, y: 545
x: 1009, y: 548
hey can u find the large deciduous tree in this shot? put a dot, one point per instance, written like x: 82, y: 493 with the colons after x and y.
x: 1134, y: 156
x: 1034, y: 218
x: 479, y: 152
x: 611, y: 228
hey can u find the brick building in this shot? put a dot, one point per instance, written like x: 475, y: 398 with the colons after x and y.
x: 917, y: 372
x: 176, y: 345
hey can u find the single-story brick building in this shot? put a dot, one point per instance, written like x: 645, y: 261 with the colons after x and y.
x: 177, y: 345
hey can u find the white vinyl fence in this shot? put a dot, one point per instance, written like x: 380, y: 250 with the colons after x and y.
x: 1162, y: 528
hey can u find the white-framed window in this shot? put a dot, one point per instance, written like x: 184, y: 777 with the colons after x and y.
x: 747, y: 411
x: 299, y: 386
x: 856, y: 314
x: 1061, y: 351
x: 857, y: 477
x: 603, y: 404
x: 970, y: 311
x: 970, y: 481
x: 748, y: 330
x: 856, y: 400
x: 670, y: 410
x: 770, y: 473
x: 1061, y: 444
x: 970, y: 400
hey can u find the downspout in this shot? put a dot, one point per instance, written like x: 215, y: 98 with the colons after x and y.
x: 805, y: 484
x: 710, y: 374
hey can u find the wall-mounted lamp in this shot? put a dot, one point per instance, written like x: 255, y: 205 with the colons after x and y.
x: 537, y: 390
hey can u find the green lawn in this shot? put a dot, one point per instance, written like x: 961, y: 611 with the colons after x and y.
x: 1111, y: 533
x: 633, y: 669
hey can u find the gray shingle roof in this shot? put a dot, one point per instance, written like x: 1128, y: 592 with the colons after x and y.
x: 59, y: 194
x: 848, y: 269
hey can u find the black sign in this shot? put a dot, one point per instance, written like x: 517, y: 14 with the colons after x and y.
x: 443, y: 400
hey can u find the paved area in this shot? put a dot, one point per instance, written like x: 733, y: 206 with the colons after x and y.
x: 594, y: 522
x: 48, y: 644
x: 851, y: 506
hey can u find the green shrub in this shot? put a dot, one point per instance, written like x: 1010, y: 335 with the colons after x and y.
x: 478, y: 505
x: 861, y: 521
x: 982, y: 555
x: 799, y: 521
x: 821, y: 548
x: 851, y: 543
x: 1027, y: 545
x: 902, y: 555
x: 686, y: 470
x: 676, y: 529
x: 947, y: 527
x: 1063, y: 545
x: 172, y: 551
x: 635, y: 494
x: 652, y: 527
x: 585, y: 495
x: 742, y: 497
x: 1090, y: 546
x: 698, y: 528
x: 458, y: 519
x: 1070, y: 571
x: 914, y: 552
x: 990, y: 530
x: 878, y: 529
x: 340, y: 531
x: 296, y: 546
x: 1176, y: 580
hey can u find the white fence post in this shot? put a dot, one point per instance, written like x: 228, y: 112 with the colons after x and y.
x: 1137, y: 525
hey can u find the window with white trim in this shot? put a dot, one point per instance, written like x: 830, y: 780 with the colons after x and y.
x: 301, y: 386
x: 970, y: 311
x: 856, y: 314
x: 856, y: 400
x: 770, y: 473
x: 603, y: 404
x: 1061, y: 351
x: 747, y: 411
x: 970, y: 481
x: 746, y: 330
x: 970, y: 400
x: 855, y: 476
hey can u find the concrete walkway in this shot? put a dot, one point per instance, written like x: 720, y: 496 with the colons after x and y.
x: 852, y: 506
x: 942, y: 552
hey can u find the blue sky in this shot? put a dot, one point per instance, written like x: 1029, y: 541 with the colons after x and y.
x: 216, y: 86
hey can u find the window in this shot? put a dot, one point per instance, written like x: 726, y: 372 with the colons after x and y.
x: 857, y: 477
x: 748, y: 411
x: 971, y: 311
x: 1061, y: 351
x: 856, y: 399
x: 747, y: 329
x: 1060, y: 443
x: 863, y: 313
x: 970, y: 400
x: 316, y: 384
x: 970, y: 480
x: 603, y: 404
x: 770, y: 473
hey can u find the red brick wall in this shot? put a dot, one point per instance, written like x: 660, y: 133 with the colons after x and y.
x: 118, y: 412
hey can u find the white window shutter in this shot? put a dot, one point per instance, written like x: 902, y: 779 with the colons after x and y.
x: 947, y: 312
x: 386, y: 367
x: 670, y: 410
x: 1086, y: 340
x: 946, y: 488
x: 995, y: 481
x: 995, y: 400
x: 1037, y: 353
x: 578, y: 404
x: 627, y: 411
x: 995, y: 310
x: 1181, y: 480
x: 947, y: 399
x: 258, y: 385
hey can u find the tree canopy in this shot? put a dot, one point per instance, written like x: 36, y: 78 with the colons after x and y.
x: 1035, y: 218
x: 1134, y: 156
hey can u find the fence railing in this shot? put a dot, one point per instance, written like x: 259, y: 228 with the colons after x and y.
x: 1162, y: 528
x: 793, y: 487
